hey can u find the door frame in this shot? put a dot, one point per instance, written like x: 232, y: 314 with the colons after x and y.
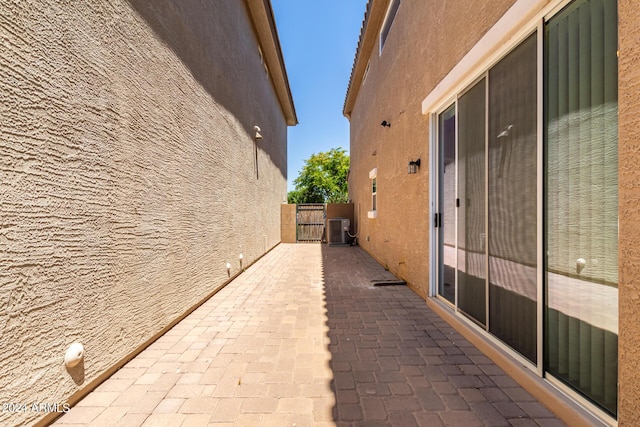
x: 436, y: 267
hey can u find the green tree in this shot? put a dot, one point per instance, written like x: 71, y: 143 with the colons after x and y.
x: 323, y: 178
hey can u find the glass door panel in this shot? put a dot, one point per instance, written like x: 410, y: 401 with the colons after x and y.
x: 447, y: 203
x: 472, y: 273
x: 513, y: 199
x: 581, y: 199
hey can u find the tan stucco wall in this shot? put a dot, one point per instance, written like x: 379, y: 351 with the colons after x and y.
x: 424, y: 58
x: 342, y: 210
x: 629, y: 214
x: 425, y: 42
x: 129, y: 177
x: 288, y: 224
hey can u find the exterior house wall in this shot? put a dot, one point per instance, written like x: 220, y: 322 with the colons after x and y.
x: 425, y: 41
x: 130, y: 176
x: 341, y: 210
x: 629, y: 213
x: 424, y: 44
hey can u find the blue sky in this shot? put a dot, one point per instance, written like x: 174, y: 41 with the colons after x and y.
x: 318, y: 41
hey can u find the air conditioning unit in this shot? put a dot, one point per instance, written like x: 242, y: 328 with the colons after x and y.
x: 336, y: 234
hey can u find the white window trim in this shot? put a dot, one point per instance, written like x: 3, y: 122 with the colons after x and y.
x: 519, y: 21
x: 387, y: 23
x: 263, y: 61
x: 366, y: 72
x: 373, y: 174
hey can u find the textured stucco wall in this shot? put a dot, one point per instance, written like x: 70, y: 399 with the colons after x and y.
x: 425, y: 57
x: 629, y: 213
x: 129, y: 176
x: 341, y: 210
x: 426, y: 40
x: 288, y: 225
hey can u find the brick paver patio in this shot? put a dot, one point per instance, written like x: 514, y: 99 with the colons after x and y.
x: 302, y: 338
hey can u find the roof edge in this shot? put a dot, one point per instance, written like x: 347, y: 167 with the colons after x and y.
x: 261, y: 14
x: 371, y: 24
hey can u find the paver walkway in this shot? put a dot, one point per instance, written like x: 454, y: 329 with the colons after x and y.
x: 302, y: 338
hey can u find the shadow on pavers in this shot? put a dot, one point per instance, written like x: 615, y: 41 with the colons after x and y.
x: 395, y: 362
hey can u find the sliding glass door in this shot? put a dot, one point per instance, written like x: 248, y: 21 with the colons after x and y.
x: 446, y: 216
x: 560, y: 314
x: 472, y: 262
x: 488, y: 196
x: 512, y: 192
x: 581, y: 161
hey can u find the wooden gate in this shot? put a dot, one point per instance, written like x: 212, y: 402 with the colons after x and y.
x: 310, y: 219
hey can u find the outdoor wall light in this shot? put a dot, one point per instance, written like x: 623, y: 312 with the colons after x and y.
x: 385, y: 123
x: 413, y: 166
x: 258, y: 134
x: 74, y: 355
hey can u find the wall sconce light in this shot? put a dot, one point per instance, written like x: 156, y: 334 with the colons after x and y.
x: 385, y: 123
x: 74, y: 355
x: 413, y: 166
x: 258, y: 134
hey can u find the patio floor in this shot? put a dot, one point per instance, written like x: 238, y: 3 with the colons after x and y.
x: 302, y: 338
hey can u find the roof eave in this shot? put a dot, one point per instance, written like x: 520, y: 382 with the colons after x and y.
x: 263, y: 20
x: 371, y: 24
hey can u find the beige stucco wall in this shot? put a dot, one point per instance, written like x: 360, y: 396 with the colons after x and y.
x: 629, y: 214
x: 425, y: 42
x: 424, y: 58
x: 288, y: 224
x: 129, y: 177
x: 342, y: 210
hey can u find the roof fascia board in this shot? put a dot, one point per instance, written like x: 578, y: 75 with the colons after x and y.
x: 371, y: 25
x: 261, y: 14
